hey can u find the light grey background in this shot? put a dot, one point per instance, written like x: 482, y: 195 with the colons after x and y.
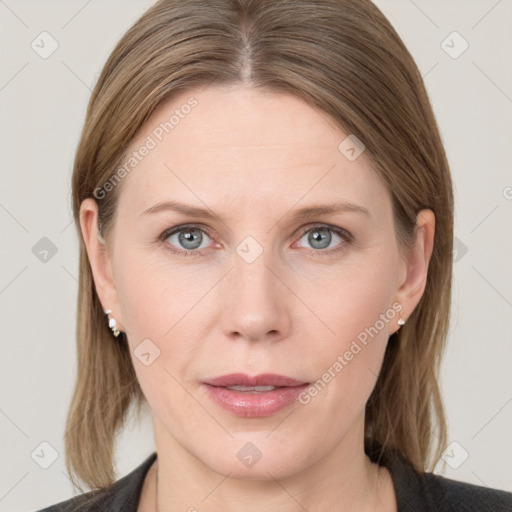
x: 42, y: 105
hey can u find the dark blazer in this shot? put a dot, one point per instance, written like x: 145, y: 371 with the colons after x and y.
x: 415, y: 492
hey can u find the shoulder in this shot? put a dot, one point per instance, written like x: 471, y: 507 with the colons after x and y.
x: 122, y: 496
x: 429, y: 492
x: 87, y: 502
x: 452, y: 495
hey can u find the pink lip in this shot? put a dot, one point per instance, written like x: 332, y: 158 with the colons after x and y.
x: 255, y: 404
x: 264, y: 379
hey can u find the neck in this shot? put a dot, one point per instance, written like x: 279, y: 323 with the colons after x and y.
x: 344, y: 479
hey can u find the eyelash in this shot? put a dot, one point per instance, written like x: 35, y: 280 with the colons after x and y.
x: 342, y: 233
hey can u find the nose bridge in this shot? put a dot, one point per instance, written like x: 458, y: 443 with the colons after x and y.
x: 256, y: 305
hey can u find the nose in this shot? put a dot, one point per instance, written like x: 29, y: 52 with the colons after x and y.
x: 257, y: 308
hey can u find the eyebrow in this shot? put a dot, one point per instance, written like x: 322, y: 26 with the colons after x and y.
x: 299, y: 214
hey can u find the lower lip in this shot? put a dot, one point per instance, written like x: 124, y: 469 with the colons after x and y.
x: 255, y: 405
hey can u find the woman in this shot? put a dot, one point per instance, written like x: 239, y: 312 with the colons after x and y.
x: 265, y: 213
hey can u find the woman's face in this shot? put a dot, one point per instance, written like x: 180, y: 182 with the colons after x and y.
x: 262, y: 290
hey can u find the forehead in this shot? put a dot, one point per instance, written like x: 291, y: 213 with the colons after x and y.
x: 239, y: 146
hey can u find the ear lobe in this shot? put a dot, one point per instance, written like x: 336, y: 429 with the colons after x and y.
x: 416, y: 262
x: 99, y: 258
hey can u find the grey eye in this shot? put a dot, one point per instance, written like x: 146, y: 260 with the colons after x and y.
x: 188, y: 238
x: 320, y: 237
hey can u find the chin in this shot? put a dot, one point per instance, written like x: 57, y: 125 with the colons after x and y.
x: 252, y: 457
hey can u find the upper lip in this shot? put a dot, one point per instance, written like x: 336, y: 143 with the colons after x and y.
x: 264, y: 379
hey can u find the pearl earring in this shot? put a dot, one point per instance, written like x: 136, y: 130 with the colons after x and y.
x: 112, y: 323
x: 401, y: 321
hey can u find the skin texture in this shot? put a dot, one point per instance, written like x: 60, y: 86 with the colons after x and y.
x: 255, y: 157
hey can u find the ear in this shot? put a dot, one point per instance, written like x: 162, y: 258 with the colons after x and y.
x: 413, y: 276
x: 99, y: 259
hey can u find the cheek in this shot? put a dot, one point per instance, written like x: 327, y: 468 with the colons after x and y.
x: 357, y: 307
x: 177, y: 306
x: 150, y: 292
x: 163, y: 301
x: 354, y: 299
x: 162, y: 312
x: 154, y: 301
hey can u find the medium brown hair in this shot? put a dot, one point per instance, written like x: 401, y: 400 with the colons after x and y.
x: 345, y: 59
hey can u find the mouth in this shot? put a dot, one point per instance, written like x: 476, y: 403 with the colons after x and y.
x: 264, y: 380
x: 258, y: 396
x: 252, y: 389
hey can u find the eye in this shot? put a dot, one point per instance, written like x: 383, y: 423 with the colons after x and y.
x: 320, y: 238
x: 193, y: 240
x: 186, y: 240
